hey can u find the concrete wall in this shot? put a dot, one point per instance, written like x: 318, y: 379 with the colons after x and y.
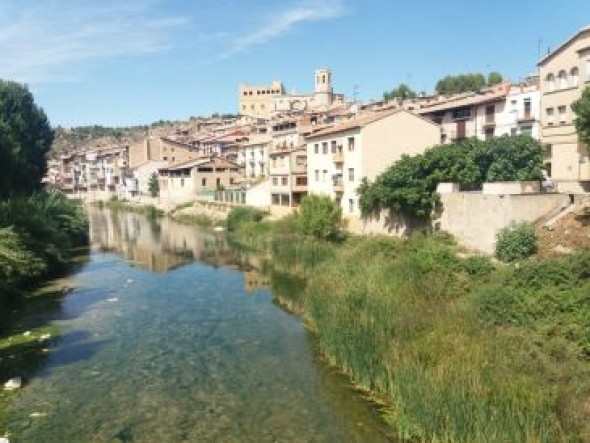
x: 259, y: 195
x: 475, y: 219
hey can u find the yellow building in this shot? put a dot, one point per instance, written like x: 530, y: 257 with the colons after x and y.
x: 564, y: 73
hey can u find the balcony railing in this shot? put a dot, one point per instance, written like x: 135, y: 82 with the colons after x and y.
x: 338, y: 157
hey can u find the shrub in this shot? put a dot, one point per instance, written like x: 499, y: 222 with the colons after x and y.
x: 319, y: 217
x: 241, y: 215
x: 516, y: 241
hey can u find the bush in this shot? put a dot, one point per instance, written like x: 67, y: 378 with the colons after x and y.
x: 241, y: 215
x: 516, y: 241
x: 320, y: 217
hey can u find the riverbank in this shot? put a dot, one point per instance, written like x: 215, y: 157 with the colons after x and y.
x: 40, y: 238
x: 459, y: 349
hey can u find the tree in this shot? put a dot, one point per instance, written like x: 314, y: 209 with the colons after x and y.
x: 403, y: 92
x: 494, y: 78
x: 409, y: 186
x: 455, y: 84
x: 154, y: 185
x: 25, y: 140
x: 319, y: 216
x: 581, y: 108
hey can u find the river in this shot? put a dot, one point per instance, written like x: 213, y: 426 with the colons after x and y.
x: 172, y: 336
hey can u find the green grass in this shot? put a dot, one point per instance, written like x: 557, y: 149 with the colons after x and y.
x: 456, y: 349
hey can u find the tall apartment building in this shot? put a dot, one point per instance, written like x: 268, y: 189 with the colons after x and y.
x: 564, y: 73
x: 288, y: 164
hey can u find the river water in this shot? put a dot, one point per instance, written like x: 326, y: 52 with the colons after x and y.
x: 172, y: 336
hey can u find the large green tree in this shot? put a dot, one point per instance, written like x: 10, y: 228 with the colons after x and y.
x: 409, y: 186
x: 402, y: 91
x: 455, y: 84
x: 581, y: 108
x: 25, y: 139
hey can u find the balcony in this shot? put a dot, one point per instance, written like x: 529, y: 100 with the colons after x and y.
x: 489, y: 122
x: 299, y: 168
x: 338, y: 157
x: 526, y: 117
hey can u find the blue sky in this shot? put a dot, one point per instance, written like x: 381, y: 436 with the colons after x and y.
x: 124, y: 62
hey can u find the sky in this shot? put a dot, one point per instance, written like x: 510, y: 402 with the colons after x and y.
x: 130, y: 62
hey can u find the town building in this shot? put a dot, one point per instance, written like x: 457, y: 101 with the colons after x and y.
x: 564, y: 73
x: 186, y: 181
x: 288, y: 164
x: 339, y: 157
x: 268, y: 101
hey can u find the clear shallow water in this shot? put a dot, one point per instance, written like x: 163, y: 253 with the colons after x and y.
x: 161, y: 343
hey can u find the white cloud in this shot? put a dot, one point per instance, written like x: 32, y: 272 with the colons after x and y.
x: 284, y: 21
x: 55, y: 39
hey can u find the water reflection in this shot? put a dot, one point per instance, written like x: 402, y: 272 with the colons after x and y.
x: 180, y: 350
x: 158, y: 245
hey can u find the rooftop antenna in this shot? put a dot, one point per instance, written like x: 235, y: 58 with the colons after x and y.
x: 355, y: 92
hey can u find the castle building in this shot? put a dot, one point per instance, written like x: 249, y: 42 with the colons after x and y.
x: 271, y: 100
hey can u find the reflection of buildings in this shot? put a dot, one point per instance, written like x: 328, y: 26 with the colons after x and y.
x: 255, y: 280
x: 157, y: 245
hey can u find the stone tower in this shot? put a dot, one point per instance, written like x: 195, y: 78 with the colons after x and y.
x: 323, y: 94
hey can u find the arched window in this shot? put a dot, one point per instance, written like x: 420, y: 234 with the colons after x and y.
x: 574, y: 74
x: 562, y: 79
x: 550, y: 82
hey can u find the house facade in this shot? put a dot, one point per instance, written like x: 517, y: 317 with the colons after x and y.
x: 338, y: 158
x: 564, y: 73
x: 183, y: 182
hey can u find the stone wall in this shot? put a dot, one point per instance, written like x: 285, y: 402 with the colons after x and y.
x: 474, y: 218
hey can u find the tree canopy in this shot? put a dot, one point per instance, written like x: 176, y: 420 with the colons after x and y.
x: 403, y: 91
x: 581, y: 108
x: 455, y: 84
x: 25, y: 140
x: 409, y: 186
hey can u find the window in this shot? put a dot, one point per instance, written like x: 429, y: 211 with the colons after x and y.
x: 218, y: 182
x: 527, y: 108
x: 276, y: 199
x: 550, y: 80
x: 351, y: 143
x: 317, y: 175
x: 316, y: 148
x: 350, y: 174
x: 252, y: 107
x: 182, y: 182
x: 562, y: 80
x: 512, y: 132
x: 549, y: 112
x: 350, y: 205
x: 243, y: 107
x: 333, y: 146
x: 204, y: 182
x: 275, y: 181
x: 284, y: 181
x: 526, y: 130
x: 165, y: 158
x: 562, y: 113
x: 324, y: 147
x: 461, y: 113
x: 324, y: 175
x: 574, y: 76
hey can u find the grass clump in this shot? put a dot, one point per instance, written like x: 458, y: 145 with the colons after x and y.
x: 242, y: 215
x: 516, y: 242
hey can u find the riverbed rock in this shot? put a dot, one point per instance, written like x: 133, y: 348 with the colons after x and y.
x: 13, y: 383
x: 4, y: 440
x: 45, y: 337
x: 113, y: 299
x: 38, y: 415
x: 219, y: 229
x: 27, y: 333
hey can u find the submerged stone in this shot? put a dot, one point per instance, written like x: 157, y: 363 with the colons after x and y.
x: 13, y: 383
